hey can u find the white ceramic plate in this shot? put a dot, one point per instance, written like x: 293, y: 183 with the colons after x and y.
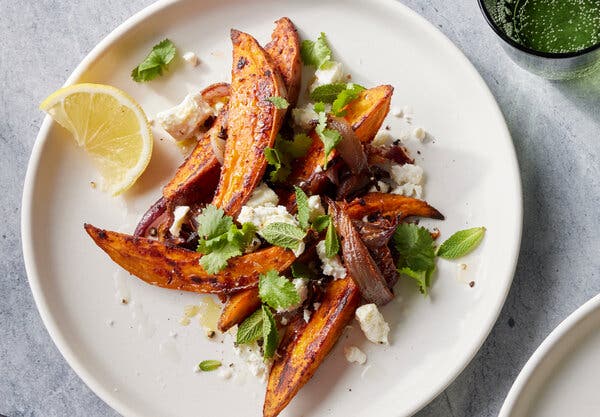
x: 135, y: 365
x: 561, y: 377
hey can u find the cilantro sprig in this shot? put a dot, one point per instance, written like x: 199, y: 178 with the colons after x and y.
x: 277, y: 291
x: 155, y: 62
x: 329, y: 137
x: 316, y: 53
x: 280, y: 157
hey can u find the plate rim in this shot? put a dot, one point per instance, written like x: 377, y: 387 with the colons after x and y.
x: 122, y: 29
x: 554, y: 338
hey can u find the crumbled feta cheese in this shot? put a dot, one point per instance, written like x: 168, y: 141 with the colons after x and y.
x: 251, y: 355
x: 372, y: 323
x: 225, y: 373
x: 330, y: 266
x: 302, y: 290
x: 263, y: 196
x: 332, y: 73
x: 182, y: 120
x: 383, y: 138
x: 408, y: 179
x: 316, y: 306
x: 191, y: 58
x: 315, y: 208
x: 284, y: 321
x: 397, y: 112
x: 382, y: 187
x: 262, y: 216
x: 307, y: 315
x: 355, y: 355
x: 420, y: 133
x: 305, y: 116
x: 178, y: 218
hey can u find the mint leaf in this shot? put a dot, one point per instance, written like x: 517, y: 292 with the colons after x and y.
x: 302, y: 205
x: 319, y: 107
x: 351, y: 93
x: 209, y: 365
x: 250, y: 329
x: 212, y: 222
x: 270, y: 336
x: 461, y: 243
x: 155, y: 62
x: 329, y: 137
x: 321, y: 223
x: 423, y: 278
x: 315, y: 53
x: 276, y: 291
x: 332, y: 242
x: 283, y: 234
x: 279, y: 102
x: 327, y: 93
x: 303, y: 271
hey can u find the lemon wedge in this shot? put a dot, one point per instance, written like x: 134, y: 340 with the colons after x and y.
x: 111, y: 127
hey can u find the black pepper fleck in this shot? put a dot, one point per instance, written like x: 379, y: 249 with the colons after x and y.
x: 472, y: 284
x: 511, y: 322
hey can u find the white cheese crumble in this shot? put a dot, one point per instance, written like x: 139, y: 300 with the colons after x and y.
x: 307, y: 314
x: 304, y: 116
x: 332, y: 73
x: 252, y: 357
x: 191, y: 58
x: 225, y: 373
x: 355, y: 355
x: 382, y: 187
x: 383, y: 138
x: 262, y: 196
x: 408, y: 179
x: 420, y: 133
x: 182, y: 120
x: 315, y: 208
x: 372, y: 323
x: 330, y: 266
x: 302, y: 290
x: 178, y: 218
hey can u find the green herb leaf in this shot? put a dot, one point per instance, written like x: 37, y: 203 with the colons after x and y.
x: 155, y: 63
x: 423, y: 278
x: 209, y: 365
x: 281, y: 157
x: 279, y: 102
x: 416, y: 254
x: 321, y: 223
x: 327, y: 93
x: 345, y: 97
x: 250, y: 329
x: 283, y: 234
x: 302, y: 205
x: 332, y: 242
x: 270, y: 336
x: 212, y: 222
x: 303, y: 271
x: 297, y: 147
x: 461, y: 243
x: 315, y: 53
x: 276, y: 291
x: 329, y: 137
x: 319, y: 107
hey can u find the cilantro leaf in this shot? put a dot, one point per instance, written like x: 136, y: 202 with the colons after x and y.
x: 297, y: 147
x: 279, y: 102
x: 416, y: 254
x: 280, y: 169
x: 327, y: 93
x: 280, y: 157
x: 332, y: 242
x: 316, y: 53
x: 321, y: 223
x: 155, y: 62
x: 329, y: 137
x: 212, y: 222
x: 461, y: 243
x: 270, y: 336
x: 276, y: 291
x: 302, y: 205
x: 283, y: 234
x: 250, y: 329
x: 344, y: 97
x: 319, y: 107
x: 423, y: 278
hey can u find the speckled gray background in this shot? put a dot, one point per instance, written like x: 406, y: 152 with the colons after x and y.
x: 555, y: 128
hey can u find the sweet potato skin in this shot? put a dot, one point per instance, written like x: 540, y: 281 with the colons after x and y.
x: 303, y: 352
x: 172, y: 267
x: 239, y: 306
x: 284, y: 49
x: 253, y: 122
x: 391, y: 205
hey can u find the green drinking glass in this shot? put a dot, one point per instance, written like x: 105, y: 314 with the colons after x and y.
x: 556, y: 39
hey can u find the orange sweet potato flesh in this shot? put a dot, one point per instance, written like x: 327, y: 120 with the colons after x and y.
x: 253, y: 122
x: 284, y: 49
x: 391, y: 205
x: 172, y: 267
x: 365, y: 115
x: 239, y: 306
x: 305, y: 350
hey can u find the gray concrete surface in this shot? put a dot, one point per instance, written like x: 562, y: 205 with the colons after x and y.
x: 555, y: 127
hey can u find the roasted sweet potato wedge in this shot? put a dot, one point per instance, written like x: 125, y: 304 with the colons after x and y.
x: 253, y: 122
x: 391, y: 205
x: 173, y: 267
x: 365, y: 115
x: 284, y: 49
x: 309, y: 345
x: 239, y: 306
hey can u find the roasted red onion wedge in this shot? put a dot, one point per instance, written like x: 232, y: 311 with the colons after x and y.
x: 154, y: 212
x: 350, y: 148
